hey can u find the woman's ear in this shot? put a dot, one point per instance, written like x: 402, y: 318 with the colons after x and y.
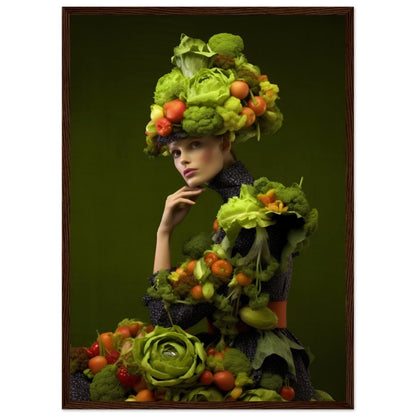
x: 226, y: 143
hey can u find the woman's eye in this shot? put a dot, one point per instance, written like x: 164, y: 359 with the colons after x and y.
x: 175, y: 153
x: 196, y: 145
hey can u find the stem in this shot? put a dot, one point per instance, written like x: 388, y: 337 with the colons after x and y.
x: 258, y: 131
x: 301, y: 181
x: 253, y: 97
x: 170, y: 318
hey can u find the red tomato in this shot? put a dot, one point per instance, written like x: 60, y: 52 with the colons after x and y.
x: 239, y: 89
x: 124, y: 331
x: 163, y: 126
x: 210, y: 258
x: 243, y: 279
x: 262, y: 78
x: 196, y: 292
x: 222, y: 268
x: 215, y: 226
x: 134, y: 329
x: 107, y: 341
x: 97, y: 363
x: 249, y: 113
x: 211, y: 351
x: 145, y: 395
x: 287, y: 393
x: 224, y: 380
x: 174, y: 110
x: 140, y: 385
x: 206, y: 378
x: 191, y: 266
x: 259, y: 107
x: 219, y: 355
x: 149, y: 328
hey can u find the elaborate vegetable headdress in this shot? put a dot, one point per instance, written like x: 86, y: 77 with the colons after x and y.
x: 211, y: 90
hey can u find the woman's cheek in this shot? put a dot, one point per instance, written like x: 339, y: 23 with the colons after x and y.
x: 207, y: 155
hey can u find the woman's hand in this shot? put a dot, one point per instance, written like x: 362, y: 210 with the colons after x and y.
x: 177, y: 207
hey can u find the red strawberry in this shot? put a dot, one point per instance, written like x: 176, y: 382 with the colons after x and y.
x: 126, y: 379
x: 94, y: 350
x: 112, y: 357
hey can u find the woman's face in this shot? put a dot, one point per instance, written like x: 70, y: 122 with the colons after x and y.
x: 199, y: 159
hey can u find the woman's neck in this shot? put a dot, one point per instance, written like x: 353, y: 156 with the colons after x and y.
x: 228, y: 182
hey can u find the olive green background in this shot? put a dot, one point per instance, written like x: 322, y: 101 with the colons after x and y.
x: 117, y: 194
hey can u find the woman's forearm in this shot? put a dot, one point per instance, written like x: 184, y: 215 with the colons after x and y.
x: 162, y: 253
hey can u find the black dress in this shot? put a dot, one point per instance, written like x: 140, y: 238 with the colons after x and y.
x: 228, y: 183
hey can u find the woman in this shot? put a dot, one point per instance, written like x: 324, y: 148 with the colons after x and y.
x: 209, y: 161
x: 213, y: 98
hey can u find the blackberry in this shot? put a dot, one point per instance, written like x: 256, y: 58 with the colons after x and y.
x: 79, y: 387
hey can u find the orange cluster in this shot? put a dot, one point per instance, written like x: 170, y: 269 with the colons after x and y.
x: 269, y: 199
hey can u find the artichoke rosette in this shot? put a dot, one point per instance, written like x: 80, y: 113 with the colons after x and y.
x: 170, y: 357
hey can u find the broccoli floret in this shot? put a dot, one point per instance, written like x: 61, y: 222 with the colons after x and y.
x: 79, y: 358
x: 201, y: 121
x: 226, y: 44
x: 106, y: 387
x: 230, y: 112
x: 195, y: 246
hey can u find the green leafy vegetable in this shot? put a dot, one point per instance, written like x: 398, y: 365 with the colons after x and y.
x: 236, y: 362
x: 271, y: 381
x: 204, y: 394
x: 261, y: 395
x: 169, y: 357
x: 270, y: 343
x: 210, y: 87
x: 170, y: 86
x: 191, y: 55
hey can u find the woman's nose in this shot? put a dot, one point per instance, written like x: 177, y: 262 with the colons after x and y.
x: 184, y: 158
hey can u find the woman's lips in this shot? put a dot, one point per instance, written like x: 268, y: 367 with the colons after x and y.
x: 188, y: 172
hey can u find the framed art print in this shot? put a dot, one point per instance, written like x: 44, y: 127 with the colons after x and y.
x: 139, y: 86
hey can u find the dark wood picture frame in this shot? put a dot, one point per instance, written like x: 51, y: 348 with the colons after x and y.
x: 348, y: 12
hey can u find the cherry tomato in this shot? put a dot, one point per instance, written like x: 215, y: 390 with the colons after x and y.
x: 174, y: 110
x: 145, y: 395
x: 222, y: 268
x: 211, y: 351
x: 219, y: 355
x: 134, y: 329
x: 107, y: 341
x: 239, y: 89
x: 97, y: 363
x: 149, y: 328
x: 206, y: 378
x: 215, y: 226
x: 249, y: 113
x: 140, y: 385
x: 210, y: 258
x: 262, y: 78
x: 243, y: 279
x: 163, y: 126
x: 191, y: 266
x: 259, y: 107
x: 224, y: 380
x: 196, y: 292
x: 287, y: 393
x: 124, y: 331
